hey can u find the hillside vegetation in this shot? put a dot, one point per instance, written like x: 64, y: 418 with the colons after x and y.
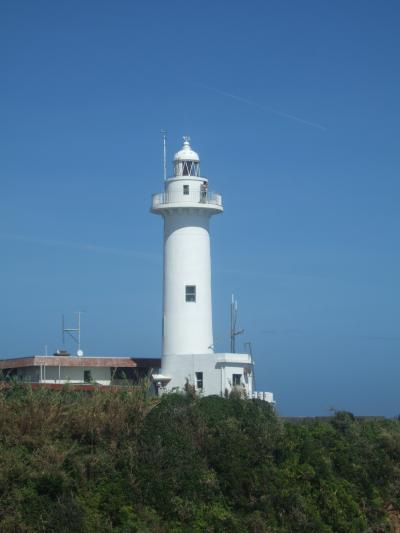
x: 124, y: 462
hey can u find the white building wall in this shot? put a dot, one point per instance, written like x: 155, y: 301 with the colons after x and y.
x: 217, y: 369
x: 174, y: 188
x: 183, y: 368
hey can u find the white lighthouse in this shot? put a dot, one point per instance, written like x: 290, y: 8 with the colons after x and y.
x: 187, y: 205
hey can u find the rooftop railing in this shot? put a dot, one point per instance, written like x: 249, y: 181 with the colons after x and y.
x: 194, y: 197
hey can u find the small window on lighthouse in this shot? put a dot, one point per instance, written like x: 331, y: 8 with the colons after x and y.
x: 190, y: 293
x: 186, y: 189
x: 199, y: 380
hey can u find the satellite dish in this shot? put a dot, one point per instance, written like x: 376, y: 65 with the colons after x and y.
x: 79, y: 353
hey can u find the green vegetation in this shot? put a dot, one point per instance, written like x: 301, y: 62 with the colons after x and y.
x: 124, y: 462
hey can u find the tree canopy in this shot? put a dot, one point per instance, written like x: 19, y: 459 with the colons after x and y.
x: 125, y: 462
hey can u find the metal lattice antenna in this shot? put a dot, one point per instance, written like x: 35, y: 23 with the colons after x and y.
x: 234, y: 332
x: 74, y: 333
x: 248, y: 348
x: 164, y: 138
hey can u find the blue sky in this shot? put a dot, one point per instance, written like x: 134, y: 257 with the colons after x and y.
x: 294, y: 109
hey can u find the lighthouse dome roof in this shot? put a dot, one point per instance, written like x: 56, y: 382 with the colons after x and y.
x: 186, y: 153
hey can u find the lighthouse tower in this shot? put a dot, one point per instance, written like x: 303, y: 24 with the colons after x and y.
x: 187, y: 205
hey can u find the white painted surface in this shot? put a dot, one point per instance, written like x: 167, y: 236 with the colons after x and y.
x: 234, y: 358
x: 186, y: 153
x: 186, y: 206
x: 265, y: 396
x: 187, y: 325
x: 187, y: 339
x: 217, y: 369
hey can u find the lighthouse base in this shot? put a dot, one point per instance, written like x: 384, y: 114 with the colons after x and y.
x: 208, y: 374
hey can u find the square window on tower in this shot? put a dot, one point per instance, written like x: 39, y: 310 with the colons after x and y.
x: 199, y: 380
x: 186, y: 189
x: 190, y: 293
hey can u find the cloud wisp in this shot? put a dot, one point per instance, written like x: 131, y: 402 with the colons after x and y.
x: 86, y: 247
x: 265, y: 108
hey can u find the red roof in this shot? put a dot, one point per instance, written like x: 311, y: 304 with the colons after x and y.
x: 57, y: 360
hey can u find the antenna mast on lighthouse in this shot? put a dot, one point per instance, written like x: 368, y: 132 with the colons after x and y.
x: 234, y: 331
x: 164, y: 138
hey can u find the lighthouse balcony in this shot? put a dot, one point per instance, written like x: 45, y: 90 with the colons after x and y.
x: 195, y: 199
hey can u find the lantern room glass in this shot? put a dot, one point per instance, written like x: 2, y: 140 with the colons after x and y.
x: 187, y: 168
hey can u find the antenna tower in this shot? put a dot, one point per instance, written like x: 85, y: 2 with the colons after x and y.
x: 248, y: 348
x: 234, y: 331
x: 164, y: 138
x: 74, y: 333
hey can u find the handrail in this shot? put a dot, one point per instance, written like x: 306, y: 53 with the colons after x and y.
x: 177, y: 197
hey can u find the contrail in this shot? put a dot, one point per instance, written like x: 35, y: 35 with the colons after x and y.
x: 82, y: 246
x: 264, y: 108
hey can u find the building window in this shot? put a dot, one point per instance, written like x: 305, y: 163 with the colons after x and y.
x: 199, y: 380
x: 190, y: 293
x: 87, y: 376
x: 186, y: 189
x: 236, y: 380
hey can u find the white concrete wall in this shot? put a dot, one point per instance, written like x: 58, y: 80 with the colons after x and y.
x: 246, y: 380
x: 217, y: 369
x: 265, y: 396
x: 174, y: 188
x: 187, y: 326
x: 183, y: 367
